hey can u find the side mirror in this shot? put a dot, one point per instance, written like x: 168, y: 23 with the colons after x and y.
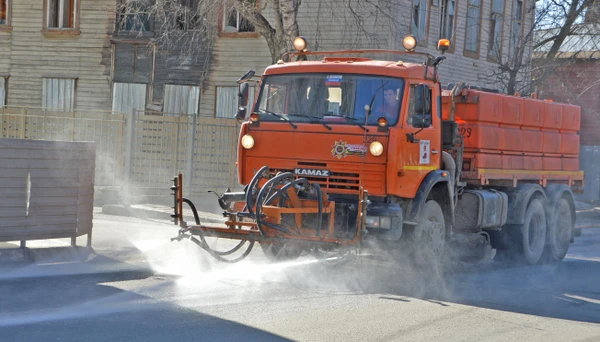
x: 242, y: 101
x: 246, y: 77
x: 419, y: 99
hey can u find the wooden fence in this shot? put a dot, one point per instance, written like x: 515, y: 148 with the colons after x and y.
x: 138, y: 153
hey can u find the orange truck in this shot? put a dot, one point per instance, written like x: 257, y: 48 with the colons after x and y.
x: 341, y: 151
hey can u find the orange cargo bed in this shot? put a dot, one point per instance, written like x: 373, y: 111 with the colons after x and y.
x: 514, y: 138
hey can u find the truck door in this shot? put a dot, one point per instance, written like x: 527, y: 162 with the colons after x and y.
x: 420, y: 149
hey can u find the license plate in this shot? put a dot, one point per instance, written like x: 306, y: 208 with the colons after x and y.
x: 312, y: 172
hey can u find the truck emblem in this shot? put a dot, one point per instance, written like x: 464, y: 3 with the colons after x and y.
x: 312, y: 172
x: 343, y: 149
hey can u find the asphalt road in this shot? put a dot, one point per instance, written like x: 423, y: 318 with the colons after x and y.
x: 136, y: 285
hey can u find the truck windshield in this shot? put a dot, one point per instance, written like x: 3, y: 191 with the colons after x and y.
x: 330, y: 98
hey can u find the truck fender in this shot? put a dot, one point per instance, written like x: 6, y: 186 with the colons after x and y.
x: 430, y: 181
x: 519, y: 198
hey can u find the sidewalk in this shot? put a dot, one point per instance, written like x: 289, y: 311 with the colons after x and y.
x: 159, y: 212
x: 588, y: 216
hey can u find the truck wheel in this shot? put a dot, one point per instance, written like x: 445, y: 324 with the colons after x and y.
x: 559, y: 233
x: 533, y: 232
x: 280, y: 252
x: 430, y: 235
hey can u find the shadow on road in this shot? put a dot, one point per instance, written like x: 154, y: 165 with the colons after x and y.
x: 42, y: 304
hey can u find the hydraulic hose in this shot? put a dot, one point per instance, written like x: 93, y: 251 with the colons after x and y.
x: 204, y: 245
x: 320, y: 205
x: 299, y: 181
x: 253, y: 183
x: 264, y: 192
x: 217, y: 256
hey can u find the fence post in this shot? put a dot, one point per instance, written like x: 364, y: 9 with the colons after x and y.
x: 22, y: 124
x: 128, y: 157
x: 2, y: 118
x: 190, y: 155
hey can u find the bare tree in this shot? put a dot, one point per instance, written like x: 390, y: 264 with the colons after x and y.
x: 554, y: 22
x: 195, y: 22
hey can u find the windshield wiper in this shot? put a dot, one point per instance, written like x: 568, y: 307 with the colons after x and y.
x: 279, y: 116
x: 370, y: 110
x: 355, y: 120
x: 316, y: 120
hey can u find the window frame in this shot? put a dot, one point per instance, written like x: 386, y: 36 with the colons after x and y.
x: 73, y: 95
x: 492, y: 57
x: 121, y: 18
x: 221, y: 22
x: 60, y: 31
x: 466, y: 52
x: 7, y: 27
x: 443, y: 6
x: 511, y: 47
x: 192, y: 87
x: 145, y: 98
x: 252, y: 88
x: 421, y: 41
x: 4, y: 78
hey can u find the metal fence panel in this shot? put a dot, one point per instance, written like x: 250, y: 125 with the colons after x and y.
x: 104, y: 128
x: 203, y: 149
x: 215, y: 154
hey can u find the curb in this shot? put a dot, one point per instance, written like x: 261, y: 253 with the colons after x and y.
x: 56, y: 254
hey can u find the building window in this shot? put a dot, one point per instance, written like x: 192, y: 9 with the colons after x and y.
x: 62, y: 16
x: 186, y: 15
x: 233, y: 21
x: 516, y: 29
x: 5, y: 12
x: 496, y: 20
x: 181, y: 99
x: 134, y: 17
x: 447, y: 18
x: 128, y: 97
x: 58, y: 93
x: 419, y: 19
x: 3, y: 84
x: 227, y: 100
x: 473, y: 28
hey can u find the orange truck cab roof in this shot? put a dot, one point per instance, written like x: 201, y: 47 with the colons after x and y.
x: 351, y: 65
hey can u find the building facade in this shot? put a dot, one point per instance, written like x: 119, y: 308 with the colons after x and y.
x: 74, y: 54
x: 56, y: 53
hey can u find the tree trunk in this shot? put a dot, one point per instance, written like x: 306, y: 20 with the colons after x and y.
x: 281, y: 32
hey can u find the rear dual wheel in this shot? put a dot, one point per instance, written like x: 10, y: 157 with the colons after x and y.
x: 560, y: 230
x: 525, y: 242
x: 533, y: 232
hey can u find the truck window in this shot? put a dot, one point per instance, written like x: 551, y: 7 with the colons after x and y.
x: 330, y: 98
x: 275, y: 99
x: 415, y: 97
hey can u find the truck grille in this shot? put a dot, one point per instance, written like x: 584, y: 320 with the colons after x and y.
x: 341, y: 182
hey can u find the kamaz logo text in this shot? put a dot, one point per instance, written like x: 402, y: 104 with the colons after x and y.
x: 312, y: 172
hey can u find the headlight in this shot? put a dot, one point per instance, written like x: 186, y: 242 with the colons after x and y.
x: 376, y: 148
x: 300, y: 44
x: 409, y: 43
x: 247, y: 141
